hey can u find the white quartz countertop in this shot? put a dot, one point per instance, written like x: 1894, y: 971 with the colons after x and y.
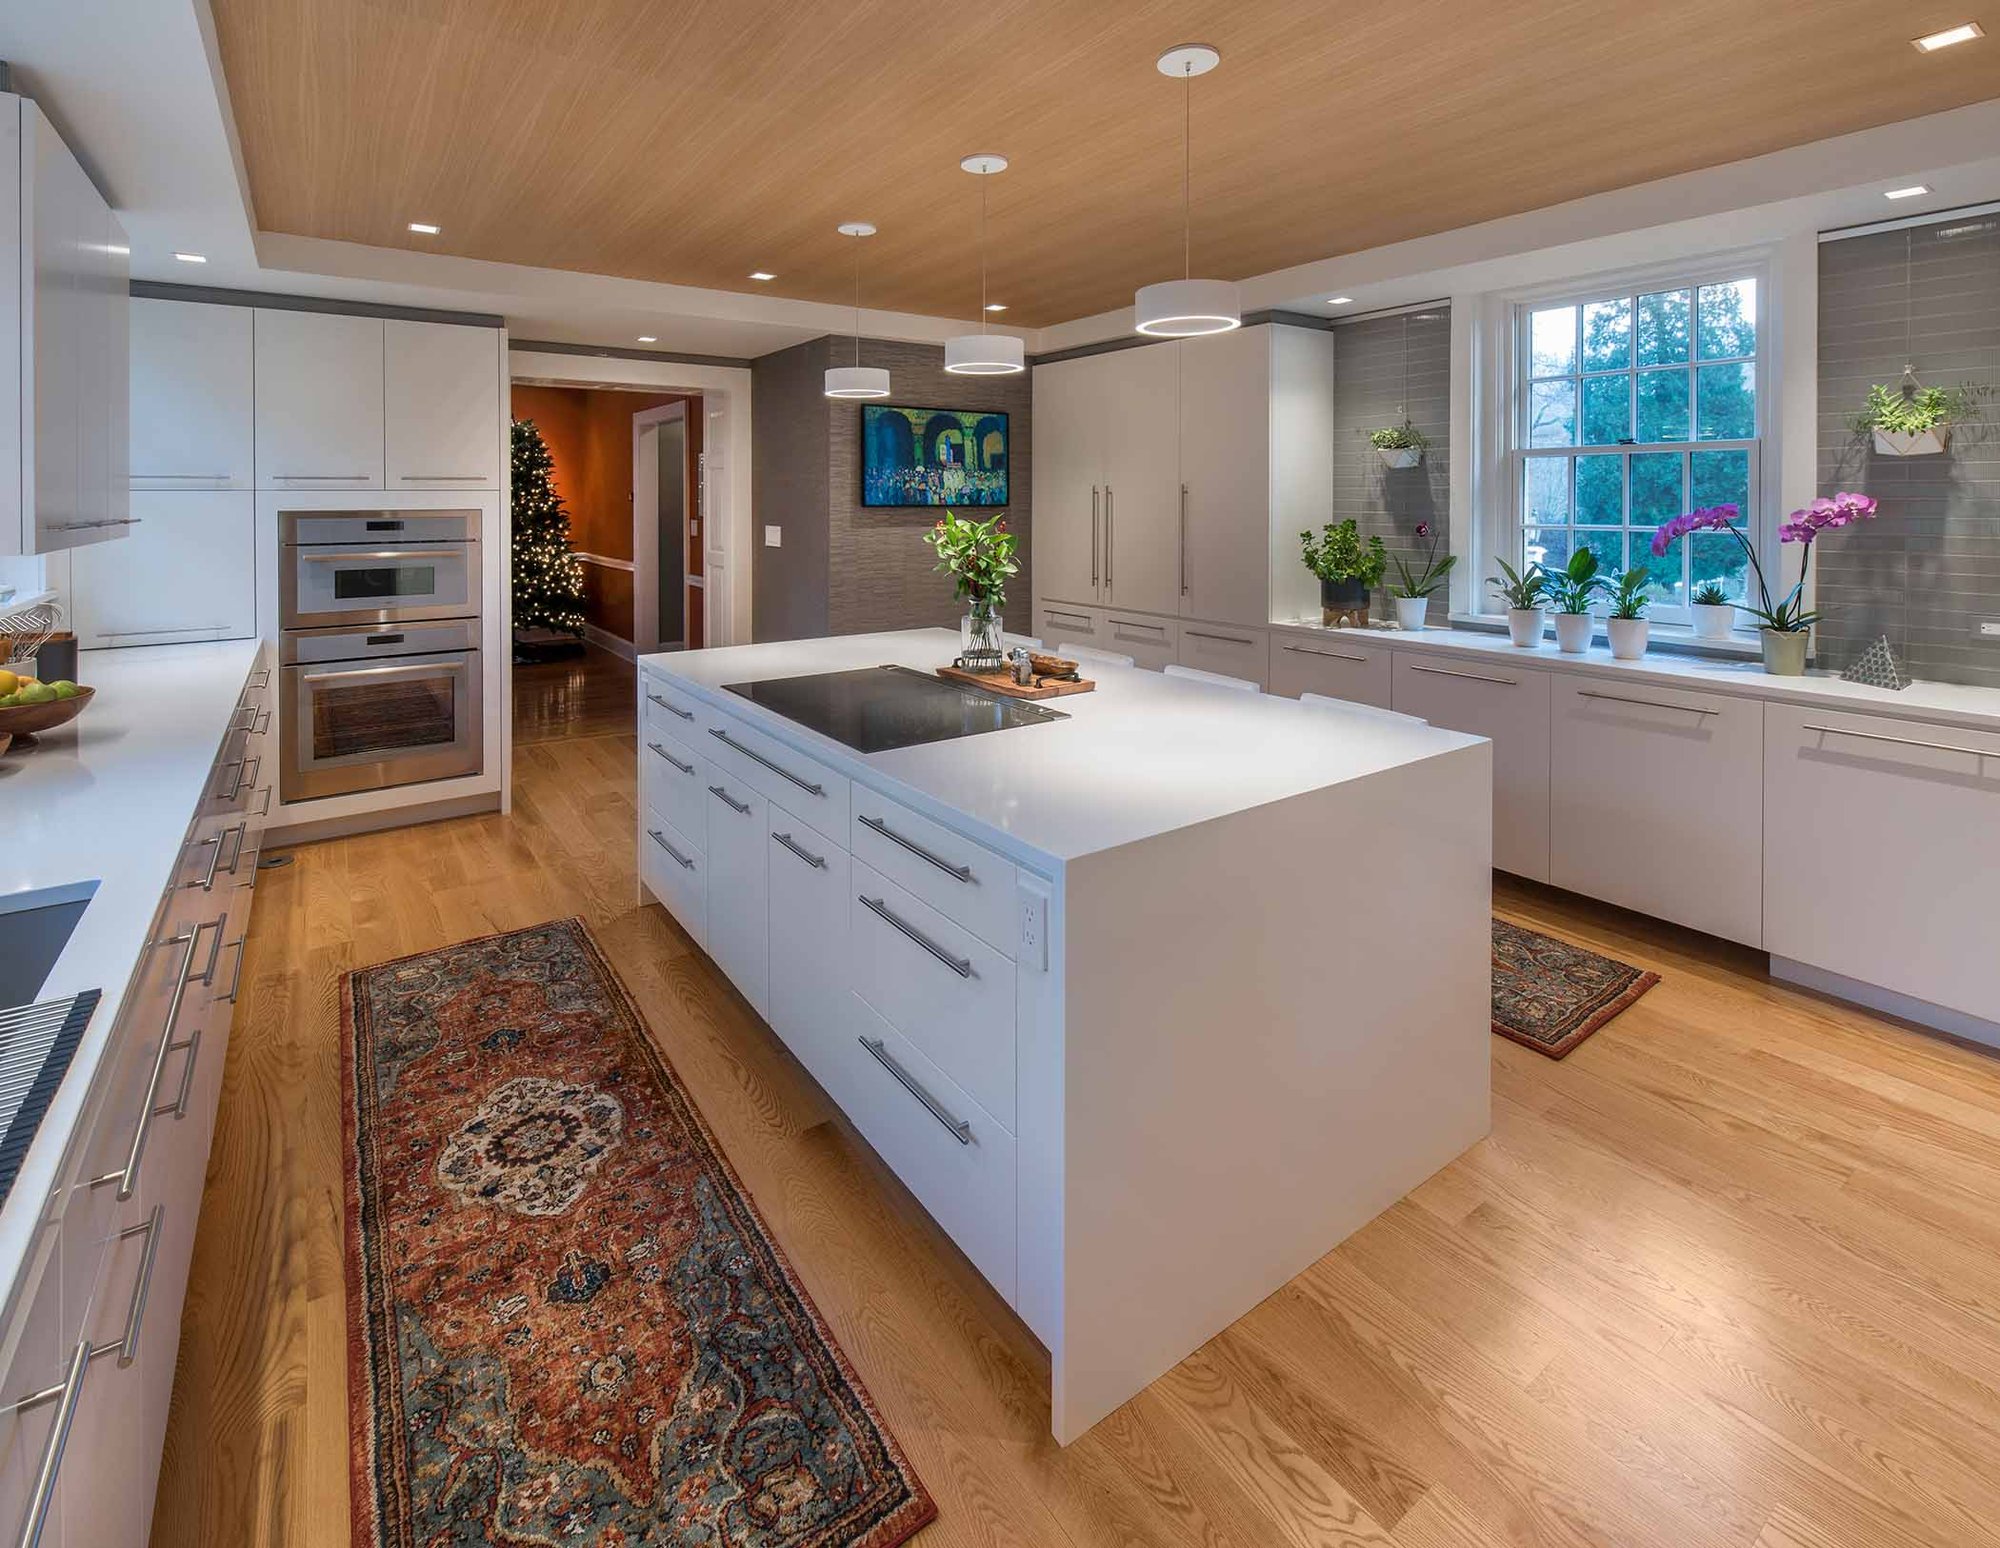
x: 1935, y: 703
x: 1142, y: 755
x: 107, y: 799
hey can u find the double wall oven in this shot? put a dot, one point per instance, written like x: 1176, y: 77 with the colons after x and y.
x: 379, y: 649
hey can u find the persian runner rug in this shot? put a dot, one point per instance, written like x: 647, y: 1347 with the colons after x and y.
x: 1550, y: 995
x: 566, y: 1321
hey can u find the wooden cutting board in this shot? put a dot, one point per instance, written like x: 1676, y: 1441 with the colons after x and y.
x: 1003, y: 684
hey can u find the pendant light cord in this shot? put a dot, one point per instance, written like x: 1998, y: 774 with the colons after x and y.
x: 1187, y: 171
x: 857, y: 301
x: 982, y: 255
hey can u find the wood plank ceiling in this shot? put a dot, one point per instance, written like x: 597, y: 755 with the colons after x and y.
x: 694, y: 141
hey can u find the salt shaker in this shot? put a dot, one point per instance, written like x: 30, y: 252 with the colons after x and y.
x: 1024, y: 668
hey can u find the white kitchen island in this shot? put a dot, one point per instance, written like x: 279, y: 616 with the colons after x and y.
x: 1150, y: 1006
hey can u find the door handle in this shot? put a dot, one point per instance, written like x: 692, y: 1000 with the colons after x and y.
x: 1093, y: 534
x: 1619, y: 698
x: 896, y: 921
x: 957, y: 1127
x: 728, y: 800
x: 671, y: 709
x: 1110, y: 534
x: 956, y: 872
x: 655, y: 835
x: 1476, y: 677
x: 385, y: 553
x: 685, y: 768
x: 1184, y: 563
x: 817, y: 862
x: 729, y: 741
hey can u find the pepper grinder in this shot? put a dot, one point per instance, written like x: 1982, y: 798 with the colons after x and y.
x: 1024, y: 667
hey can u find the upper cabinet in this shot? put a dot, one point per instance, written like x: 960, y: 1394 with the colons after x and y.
x: 319, y: 400
x: 192, y: 419
x: 443, y: 422
x: 63, y: 349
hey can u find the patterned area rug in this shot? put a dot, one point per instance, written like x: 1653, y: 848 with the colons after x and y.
x: 1551, y: 995
x: 566, y: 1322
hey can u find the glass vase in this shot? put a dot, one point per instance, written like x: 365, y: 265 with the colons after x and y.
x: 979, y: 636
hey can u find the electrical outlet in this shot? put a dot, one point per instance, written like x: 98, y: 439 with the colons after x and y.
x: 774, y: 537
x: 1986, y: 628
x: 1034, y: 942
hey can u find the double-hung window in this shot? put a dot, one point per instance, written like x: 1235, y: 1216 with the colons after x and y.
x: 1633, y: 405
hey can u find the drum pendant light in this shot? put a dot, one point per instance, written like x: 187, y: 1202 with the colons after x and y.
x: 857, y: 380
x: 983, y: 353
x: 1187, y: 306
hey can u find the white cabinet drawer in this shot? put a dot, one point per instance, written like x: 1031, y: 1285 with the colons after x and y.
x: 949, y: 1152
x: 674, y: 870
x: 809, y: 954
x: 1148, y: 641
x: 1657, y: 801
x: 776, y: 771
x: 964, y: 881
x: 942, y: 987
x: 738, y: 887
x: 1336, y: 667
x: 1882, y: 839
x: 1058, y: 623
x: 671, y: 780
x: 1234, y: 652
x: 666, y: 707
x: 1510, y: 708
x: 35, y: 1359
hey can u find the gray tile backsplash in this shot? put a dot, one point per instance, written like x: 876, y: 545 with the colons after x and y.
x: 1385, y: 367
x: 1928, y: 567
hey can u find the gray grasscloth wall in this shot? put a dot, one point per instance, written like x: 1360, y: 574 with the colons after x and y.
x: 1373, y: 390
x: 1928, y: 566
x: 844, y: 569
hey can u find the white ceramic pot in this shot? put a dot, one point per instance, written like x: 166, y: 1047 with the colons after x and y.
x: 1628, y: 637
x: 1573, y: 632
x: 1400, y: 456
x: 1526, y: 626
x: 1411, y: 612
x: 1713, y: 620
x: 1912, y: 443
x: 1785, y: 652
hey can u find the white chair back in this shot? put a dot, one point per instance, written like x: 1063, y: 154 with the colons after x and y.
x: 1027, y: 640
x: 1089, y: 653
x: 1213, y: 679
x: 1320, y: 701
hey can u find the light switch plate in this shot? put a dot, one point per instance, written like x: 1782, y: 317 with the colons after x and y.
x: 1986, y: 628
x: 774, y: 537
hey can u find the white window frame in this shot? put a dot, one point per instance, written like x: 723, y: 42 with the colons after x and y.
x: 1502, y: 414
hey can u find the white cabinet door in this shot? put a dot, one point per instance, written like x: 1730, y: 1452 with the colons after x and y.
x: 1657, y: 802
x: 1150, y: 642
x: 319, y: 400
x: 1068, y: 480
x: 1139, y: 400
x: 442, y: 421
x: 193, y: 424
x: 809, y: 956
x: 1336, y: 667
x: 1244, y: 653
x: 1881, y: 842
x: 186, y: 571
x: 1510, y: 708
x: 738, y: 899
x: 1058, y: 624
x: 1225, y: 456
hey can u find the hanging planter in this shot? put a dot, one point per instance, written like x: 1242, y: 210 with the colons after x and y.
x: 1912, y: 420
x: 1400, y: 456
x: 1911, y: 443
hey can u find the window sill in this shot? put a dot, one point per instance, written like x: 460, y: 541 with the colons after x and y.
x: 1672, y: 639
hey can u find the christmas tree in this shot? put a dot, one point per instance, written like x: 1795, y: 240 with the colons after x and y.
x: 548, y: 577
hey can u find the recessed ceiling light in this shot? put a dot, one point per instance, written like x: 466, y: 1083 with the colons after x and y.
x: 760, y: 276
x: 1931, y: 42
x: 1340, y: 300
x: 1915, y: 190
x: 423, y: 228
x: 647, y: 338
x: 996, y: 306
x: 192, y: 257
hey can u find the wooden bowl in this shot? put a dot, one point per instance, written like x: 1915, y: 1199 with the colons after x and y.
x: 6, y: 740
x: 33, y: 719
x: 1050, y: 666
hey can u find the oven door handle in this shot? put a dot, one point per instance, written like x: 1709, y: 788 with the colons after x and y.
x: 386, y: 553
x: 382, y: 673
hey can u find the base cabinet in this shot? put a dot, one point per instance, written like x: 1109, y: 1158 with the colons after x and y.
x: 808, y: 931
x: 1150, y: 642
x: 1244, y: 653
x: 1334, y: 668
x: 1881, y: 842
x: 1510, y: 708
x: 738, y: 893
x: 1657, y: 801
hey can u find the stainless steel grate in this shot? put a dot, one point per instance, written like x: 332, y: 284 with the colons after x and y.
x: 36, y: 1044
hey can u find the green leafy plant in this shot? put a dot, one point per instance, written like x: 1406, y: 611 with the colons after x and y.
x: 1338, y: 554
x: 1631, y: 593
x: 1423, y: 583
x: 1520, y: 588
x: 1710, y: 594
x: 977, y: 555
x: 1572, y: 588
x: 1403, y: 437
x: 1911, y: 410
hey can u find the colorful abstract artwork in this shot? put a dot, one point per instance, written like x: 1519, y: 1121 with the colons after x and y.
x: 926, y: 456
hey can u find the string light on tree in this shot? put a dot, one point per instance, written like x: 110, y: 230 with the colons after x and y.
x: 548, y: 577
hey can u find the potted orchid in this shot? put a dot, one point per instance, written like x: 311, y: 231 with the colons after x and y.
x: 1522, y: 591
x: 1399, y: 446
x: 1627, y: 626
x: 1413, y: 589
x: 1571, y: 591
x: 979, y: 556
x: 1785, y: 626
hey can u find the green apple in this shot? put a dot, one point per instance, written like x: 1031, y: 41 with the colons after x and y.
x: 65, y: 689
x: 35, y: 693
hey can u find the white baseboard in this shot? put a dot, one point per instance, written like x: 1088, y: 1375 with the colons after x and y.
x: 1939, y: 1018
x: 611, y: 642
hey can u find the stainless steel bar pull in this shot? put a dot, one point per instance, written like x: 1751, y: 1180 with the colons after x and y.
x: 1314, y: 650
x: 756, y: 757
x: 659, y: 838
x: 1184, y: 554
x: 956, y: 1127
x: 961, y: 873
x: 728, y: 800
x: 1902, y: 741
x: 817, y: 862
x: 685, y: 768
x: 1475, y: 677
x: 671, y: 709
x: 1094, y: 493
x: 896, y: 921
x: 1619, y: 698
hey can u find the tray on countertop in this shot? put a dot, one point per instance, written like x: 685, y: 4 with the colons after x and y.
x: 1002, y: 683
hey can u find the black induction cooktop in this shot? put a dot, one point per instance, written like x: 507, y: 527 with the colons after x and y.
x: 879, y: 708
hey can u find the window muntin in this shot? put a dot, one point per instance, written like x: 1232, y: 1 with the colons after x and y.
x: 1635, y: 406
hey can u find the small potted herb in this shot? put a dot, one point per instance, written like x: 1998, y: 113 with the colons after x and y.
x: 1571, y: 591
x: 1347, y: 569
x: 1714, y: 615
x: 1522, y: 591
x: 1399, y: 446
x: 1628, y: 627
x: 1413, y: 589
x: 1912, y: 420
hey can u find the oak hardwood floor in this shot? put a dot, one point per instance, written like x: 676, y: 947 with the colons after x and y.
x: 1729, y: 1275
